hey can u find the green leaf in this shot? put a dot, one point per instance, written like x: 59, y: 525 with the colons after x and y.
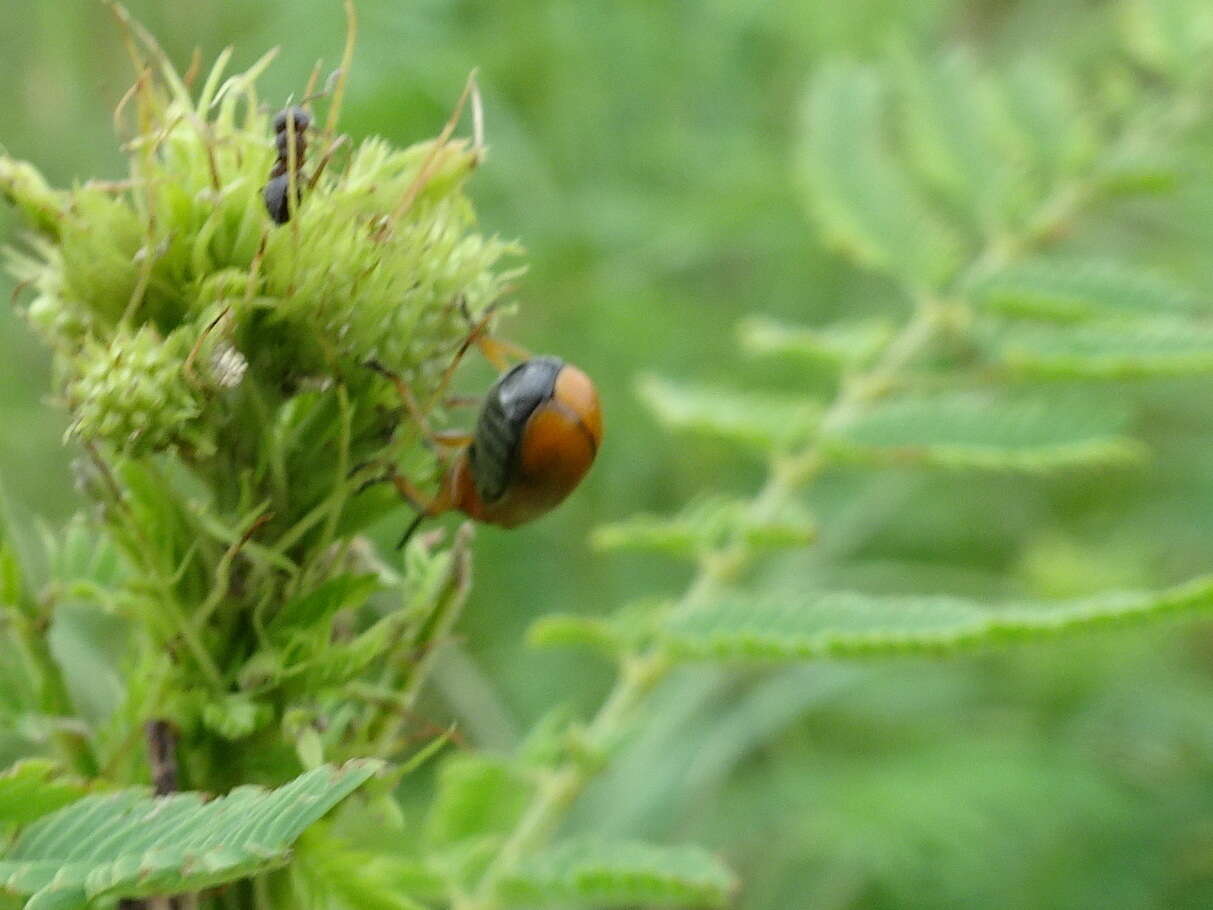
x: 235, y: 716
x: 818, y: 624
x: 11, y: 589
x: 1117, y: 350
x: 946, y: 113
x: 1046, y: 122
x: 704, y: 526
x: 988, y: 433
x: 321, y: 604
x: 759, y: 421
x: 620, y: 874
x: 1080, y: 290
x: 139, y: 845
x: 36, y: 787
x: 569, y: 630
x: 1172, y: 37
x: 83, y: 559
x: 1143, y: 172
x: 64, y: 899
x: 841, y: 345
x: 862, y: 200
x: 339, y: 663
x: 625, y: 631
x: 478, y: 795
x: 356, y: 878
x: 698, y: 528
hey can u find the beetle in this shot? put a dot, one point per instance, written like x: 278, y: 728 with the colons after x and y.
x: 536, y: 436
x: 290, y: 128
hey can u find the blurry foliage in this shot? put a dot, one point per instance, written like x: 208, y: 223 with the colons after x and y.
x: 1032, y: 180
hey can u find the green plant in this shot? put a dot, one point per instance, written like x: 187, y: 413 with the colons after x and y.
x: 214, y: 368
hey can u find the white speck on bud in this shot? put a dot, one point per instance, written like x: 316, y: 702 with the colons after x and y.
x: 228, y: 367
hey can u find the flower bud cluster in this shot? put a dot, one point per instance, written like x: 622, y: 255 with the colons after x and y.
x: 163, y: 293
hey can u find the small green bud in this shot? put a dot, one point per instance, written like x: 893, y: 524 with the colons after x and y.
x: 235, y: 716
x: 23, y: 185
x: 132, y: 393
x: 263, y: 669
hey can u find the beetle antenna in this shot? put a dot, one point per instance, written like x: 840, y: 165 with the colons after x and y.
x: 408, y: 532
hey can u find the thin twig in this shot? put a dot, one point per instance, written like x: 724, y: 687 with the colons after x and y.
x: 347, y: 60
x: 162, y: 756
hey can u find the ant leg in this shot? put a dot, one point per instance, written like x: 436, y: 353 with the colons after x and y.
x: 461, y: 401
x: 324, y: 161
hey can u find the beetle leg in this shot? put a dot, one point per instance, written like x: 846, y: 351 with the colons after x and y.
x: 382, y: 477
x: 452, y: 439
x: 414, y: 497
x: 406, y: 397
x: 408, y: 532
x: 439, y: 504
x: 359, y: 468
x: 409, y: 492
x: 474, y: 335
x: 497, y: 351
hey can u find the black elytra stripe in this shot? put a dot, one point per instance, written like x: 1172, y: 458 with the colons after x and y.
x: 507, y: 407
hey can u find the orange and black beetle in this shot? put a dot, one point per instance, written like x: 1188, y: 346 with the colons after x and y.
x: 537, y: 434
x: 538, y: 431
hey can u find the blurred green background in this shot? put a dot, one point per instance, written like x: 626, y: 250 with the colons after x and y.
x: 643, y: 151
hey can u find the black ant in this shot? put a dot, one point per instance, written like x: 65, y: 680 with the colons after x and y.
x: 290, y: 136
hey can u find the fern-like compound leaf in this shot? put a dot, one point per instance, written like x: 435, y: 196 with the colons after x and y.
x: 948, y: 116
x: 1046, y: 123
x: 763, y: 422
x: 703, y: 526
x: 975, y: 431
x: 1116, y: 350
x: 1077, y: 291
x: 841, y: 345
x: 863, y: 201
x: 130, y: 844
x: 819, y: 624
